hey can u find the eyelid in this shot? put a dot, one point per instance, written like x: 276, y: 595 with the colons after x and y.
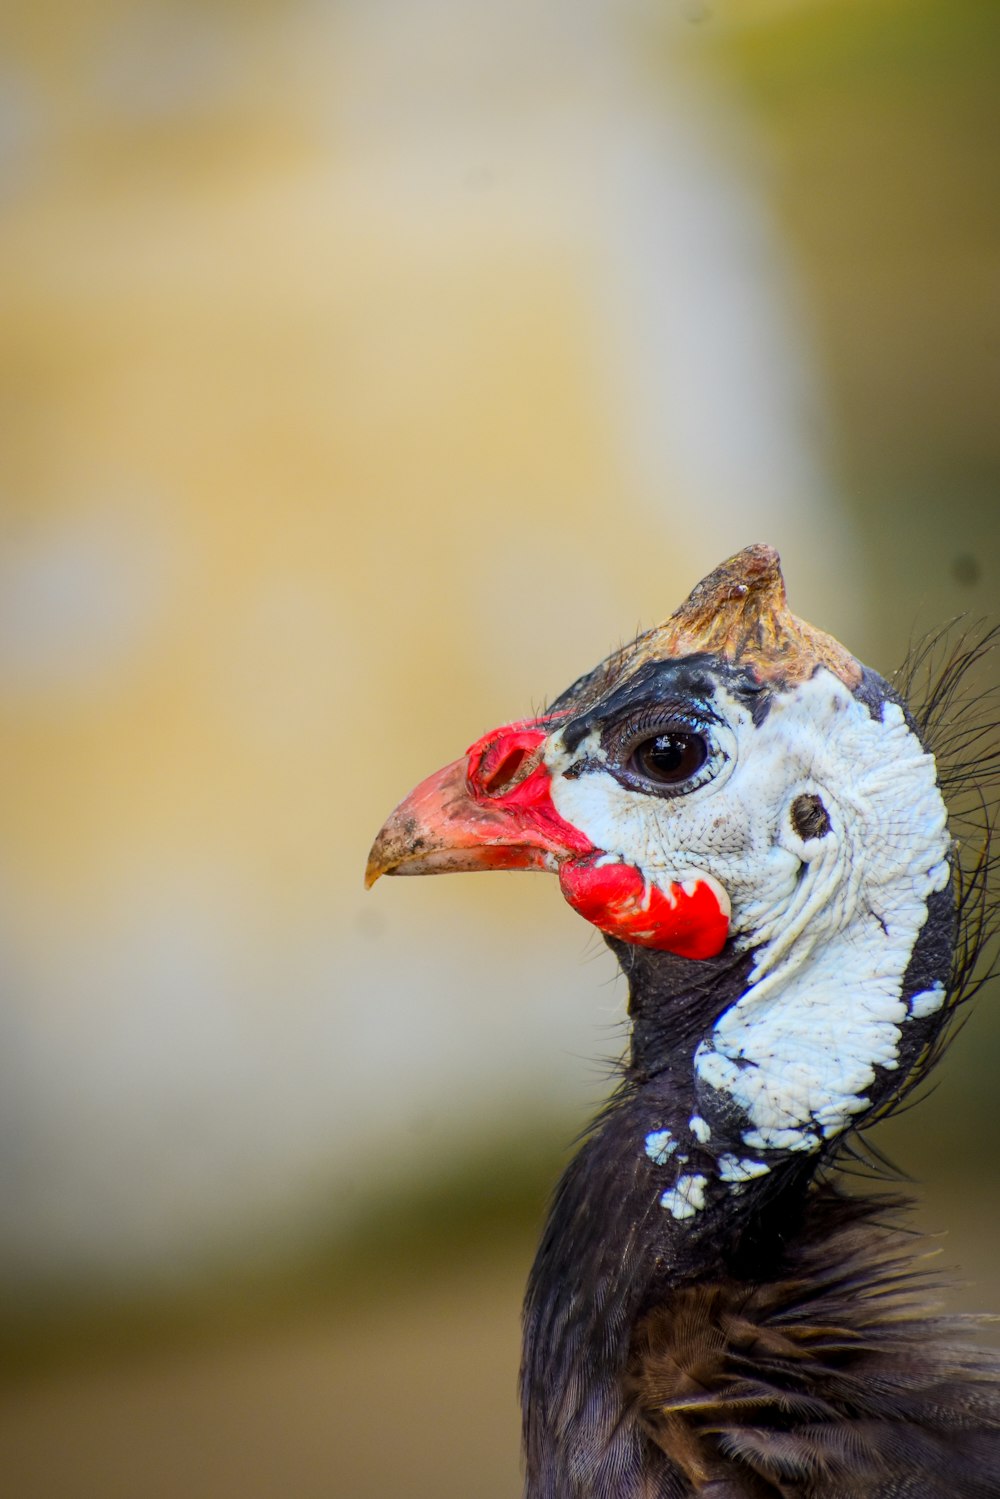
x: 647, y: 723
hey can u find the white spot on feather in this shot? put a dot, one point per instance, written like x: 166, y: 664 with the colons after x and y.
x: 687, y: 1198
x: 660, y: 1146
x: 927, y: 1002
x: 699, y: 1127
x: 733, y: 1169
x: 780, y: 1139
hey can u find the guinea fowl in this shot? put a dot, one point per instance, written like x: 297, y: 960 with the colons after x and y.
x: 756, y: 823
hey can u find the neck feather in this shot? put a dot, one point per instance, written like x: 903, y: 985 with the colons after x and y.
x: 624, y: 1228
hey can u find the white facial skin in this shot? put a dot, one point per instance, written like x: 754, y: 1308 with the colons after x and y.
x: 833, y: 918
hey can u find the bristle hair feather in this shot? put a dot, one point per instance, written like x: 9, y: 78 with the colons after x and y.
x: 954, y: 703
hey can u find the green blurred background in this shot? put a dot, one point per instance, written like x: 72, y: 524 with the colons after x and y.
x: 367, y: 370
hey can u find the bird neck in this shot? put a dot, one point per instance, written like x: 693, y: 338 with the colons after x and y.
x: 672, y: 1004
x: 638, y: 1211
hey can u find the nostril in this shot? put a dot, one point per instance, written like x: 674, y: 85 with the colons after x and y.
x: 499, y: 778
x: 504, y: 761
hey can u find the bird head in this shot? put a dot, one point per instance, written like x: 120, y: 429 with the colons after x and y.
x: 734, y: 784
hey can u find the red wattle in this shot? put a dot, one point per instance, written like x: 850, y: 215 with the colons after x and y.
x: 615, y: 897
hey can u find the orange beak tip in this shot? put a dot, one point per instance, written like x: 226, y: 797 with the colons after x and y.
x: 385, y: 854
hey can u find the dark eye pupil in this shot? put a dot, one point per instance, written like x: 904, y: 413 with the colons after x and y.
x: 670, y: 758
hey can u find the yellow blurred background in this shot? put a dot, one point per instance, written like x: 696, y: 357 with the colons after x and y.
x: 367, y: 370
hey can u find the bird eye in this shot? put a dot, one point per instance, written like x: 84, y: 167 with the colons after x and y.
x: 662, y: 749
x: 669, y: 759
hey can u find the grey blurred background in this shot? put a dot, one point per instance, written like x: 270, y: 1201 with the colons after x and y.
x: 367, y: 370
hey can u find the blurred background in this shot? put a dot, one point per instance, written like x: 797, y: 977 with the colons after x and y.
x: 368, y: 369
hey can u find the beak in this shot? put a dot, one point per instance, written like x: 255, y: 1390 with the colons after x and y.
x: 489, y: 810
